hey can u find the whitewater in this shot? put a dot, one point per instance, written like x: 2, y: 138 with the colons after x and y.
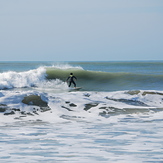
x: 115, y: 117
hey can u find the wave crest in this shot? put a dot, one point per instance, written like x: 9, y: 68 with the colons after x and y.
x: 65, y: 67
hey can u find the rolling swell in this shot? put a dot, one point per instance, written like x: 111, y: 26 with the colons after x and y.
x: 107, y: 81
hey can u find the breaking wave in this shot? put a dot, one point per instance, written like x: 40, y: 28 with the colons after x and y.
x: 54, y: 77
x: 14, y: 79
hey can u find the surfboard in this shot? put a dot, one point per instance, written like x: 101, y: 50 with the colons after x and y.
x: 75, y: 88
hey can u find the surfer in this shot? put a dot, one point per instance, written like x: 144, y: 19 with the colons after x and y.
x: 71, y: 80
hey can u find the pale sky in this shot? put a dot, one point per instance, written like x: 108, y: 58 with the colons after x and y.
x: 81, y: 30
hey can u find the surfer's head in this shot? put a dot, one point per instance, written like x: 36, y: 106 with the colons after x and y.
x: 71, y: 73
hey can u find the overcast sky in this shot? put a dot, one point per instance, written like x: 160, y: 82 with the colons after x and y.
x: 81, y: 30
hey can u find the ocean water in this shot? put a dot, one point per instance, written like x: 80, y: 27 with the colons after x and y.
x: 117, y: 116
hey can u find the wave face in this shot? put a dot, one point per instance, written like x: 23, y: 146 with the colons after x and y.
x: 108, y: 81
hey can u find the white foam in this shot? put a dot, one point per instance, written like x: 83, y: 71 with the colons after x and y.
x: 119, y: 138
x: 14, y: 79
x: 62, y: 104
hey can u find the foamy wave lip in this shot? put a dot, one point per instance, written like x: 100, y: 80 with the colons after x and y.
x: 66, y: 66
x: 14, y: 79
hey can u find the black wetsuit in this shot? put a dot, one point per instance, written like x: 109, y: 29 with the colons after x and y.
x: 71, y: 80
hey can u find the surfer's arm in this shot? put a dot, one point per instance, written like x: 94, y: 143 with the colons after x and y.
x: 67, y: 79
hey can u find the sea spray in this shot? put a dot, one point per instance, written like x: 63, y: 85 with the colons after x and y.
x: 65, y: 66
